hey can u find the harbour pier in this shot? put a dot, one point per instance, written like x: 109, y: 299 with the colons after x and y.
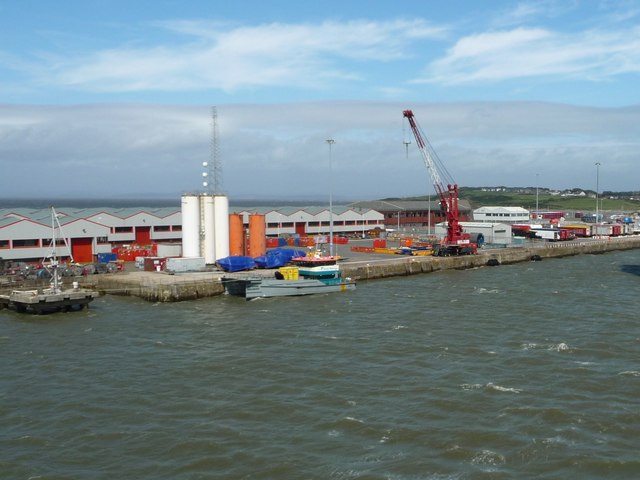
x: 163, y: 287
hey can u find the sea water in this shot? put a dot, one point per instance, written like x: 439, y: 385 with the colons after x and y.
x: 522, y: 371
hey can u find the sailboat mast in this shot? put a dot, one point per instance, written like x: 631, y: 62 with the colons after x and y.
x: 54, y: 257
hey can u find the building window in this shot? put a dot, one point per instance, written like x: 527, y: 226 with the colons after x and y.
x: 31, y: 242
x: 162, y: 228
x: 102, y: 240
x: 314, y: 224
x: 176, y: 228
x: 4, y: 243
x: 123, y: 229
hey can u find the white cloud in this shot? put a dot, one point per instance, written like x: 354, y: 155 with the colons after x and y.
x: 279, y: 151
x: 277, y: 54
x: 528, y: 11
x: 536, y: 52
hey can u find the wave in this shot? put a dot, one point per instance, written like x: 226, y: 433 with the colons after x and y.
x: 555, y: 347
x: 490, y: 387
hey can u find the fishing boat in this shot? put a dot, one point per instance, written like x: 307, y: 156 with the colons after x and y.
x: 56, y: 297
x: 306, y: 275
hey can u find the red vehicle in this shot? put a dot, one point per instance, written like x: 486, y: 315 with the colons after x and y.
x: 579, y: 230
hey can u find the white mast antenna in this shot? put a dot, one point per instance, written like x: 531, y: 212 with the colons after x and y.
x: 212, y: 174
x: 216, y: 162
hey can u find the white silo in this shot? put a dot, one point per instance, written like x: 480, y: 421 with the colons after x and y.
x: 190, y: 226
x: 207, y: 203
x: 221, y: 219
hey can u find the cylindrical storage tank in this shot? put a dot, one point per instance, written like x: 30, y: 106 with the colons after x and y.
x: 257, y: 235
x: 236, y: 235
x: 190, y: 226
x: 221, y: 218
x: 209, y: 240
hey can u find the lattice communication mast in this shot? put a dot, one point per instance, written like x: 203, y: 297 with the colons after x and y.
x: 213, y: 175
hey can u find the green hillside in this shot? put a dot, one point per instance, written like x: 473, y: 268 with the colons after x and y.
x: 477, y: 197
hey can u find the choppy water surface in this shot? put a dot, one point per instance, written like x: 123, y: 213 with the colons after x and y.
x: 521, y: 371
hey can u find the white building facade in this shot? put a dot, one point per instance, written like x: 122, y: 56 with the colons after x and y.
x: 501, y: 214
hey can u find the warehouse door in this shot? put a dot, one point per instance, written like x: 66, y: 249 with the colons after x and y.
x: 143, y: 235
x: 82, y: 249
x: 301, y: 228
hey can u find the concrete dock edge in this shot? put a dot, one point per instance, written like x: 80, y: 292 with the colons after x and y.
x: 161, y: 287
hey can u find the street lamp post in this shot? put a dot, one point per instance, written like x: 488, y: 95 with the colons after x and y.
x: 330, y: 141
x: 397, y: 212
x: 597, y: 188
x: 537, y: 183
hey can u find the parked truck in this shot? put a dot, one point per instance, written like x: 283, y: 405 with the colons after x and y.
x: 553, y: 234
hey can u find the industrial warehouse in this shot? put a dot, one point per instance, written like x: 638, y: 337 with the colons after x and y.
x: 25, y: 234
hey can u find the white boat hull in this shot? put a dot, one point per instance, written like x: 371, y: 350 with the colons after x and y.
x: 258, y: 287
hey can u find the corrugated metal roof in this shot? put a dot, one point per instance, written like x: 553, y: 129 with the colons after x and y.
x: 66, y: 215
x: 311, y: 210
x: 402, y: 205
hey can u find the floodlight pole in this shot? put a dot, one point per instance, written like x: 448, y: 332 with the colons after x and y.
x: 597, y: 188
x: 330, y: 141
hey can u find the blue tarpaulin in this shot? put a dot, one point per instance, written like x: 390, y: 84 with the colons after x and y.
x: 236, y: 263
x: 278, y: 257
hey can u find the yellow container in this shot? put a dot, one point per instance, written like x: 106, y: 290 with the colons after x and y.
x: 289, y: 273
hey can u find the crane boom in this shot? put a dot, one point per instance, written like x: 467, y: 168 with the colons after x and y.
x: 456, y: 241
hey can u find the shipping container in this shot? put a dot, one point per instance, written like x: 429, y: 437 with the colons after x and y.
x: 579, y: 230
x: 553, y: 234
x: 601, y: 229
x: 628, y: 228
x: 154, y: 264
x: 272, y: 242
x: 379, y: 243
x: 169, y: 249
x: 107, y: 257
x: 180, y: 265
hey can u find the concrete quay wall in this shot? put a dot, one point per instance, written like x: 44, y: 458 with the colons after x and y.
x: 158, y: 287
x: 161, y: 287
x: 369, y: 270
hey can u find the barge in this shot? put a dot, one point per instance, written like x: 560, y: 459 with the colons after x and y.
x: 48, y: 300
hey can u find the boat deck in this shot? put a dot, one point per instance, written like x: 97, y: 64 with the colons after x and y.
x: 45, y: 301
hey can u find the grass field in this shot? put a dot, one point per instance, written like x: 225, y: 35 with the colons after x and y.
x: 479, y: 198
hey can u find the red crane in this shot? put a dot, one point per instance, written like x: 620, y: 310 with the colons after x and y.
x: 457, y: 242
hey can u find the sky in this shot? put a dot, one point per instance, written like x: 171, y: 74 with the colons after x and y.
x: 114, y: 99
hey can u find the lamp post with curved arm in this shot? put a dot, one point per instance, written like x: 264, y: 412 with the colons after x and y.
x: 330, y: 141
x: 597, y: 188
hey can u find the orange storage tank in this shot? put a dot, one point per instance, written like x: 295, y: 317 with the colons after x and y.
x: 236, y: 235
x: 257, y: 235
